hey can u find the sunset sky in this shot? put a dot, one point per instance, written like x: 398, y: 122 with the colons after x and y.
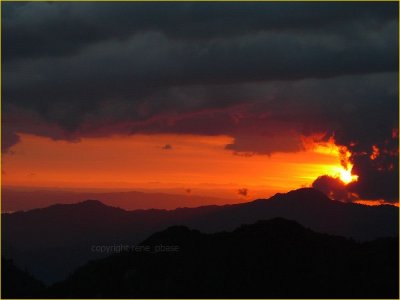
x: 235, y: 100
x: 167, y: 161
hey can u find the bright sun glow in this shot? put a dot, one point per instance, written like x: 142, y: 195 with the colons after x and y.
x: 344, y: 170
x: 193, y: 163
x: 346, y: 176
x: 341, y: 173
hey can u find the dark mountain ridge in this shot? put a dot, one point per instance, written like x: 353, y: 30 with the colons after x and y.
x: 269, y: 259
x: 16, y: 283
x: 51, y: 242
x: 19, y: 199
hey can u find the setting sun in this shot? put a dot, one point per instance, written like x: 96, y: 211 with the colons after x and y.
x: 347, y: 177
x: 343, y: 171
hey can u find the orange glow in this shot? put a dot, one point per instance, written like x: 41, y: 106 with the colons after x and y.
x: 375, y: 202
x: 199, y: 163
x: 342, y: 171
x: 346, y: 176
x: 375, y: 153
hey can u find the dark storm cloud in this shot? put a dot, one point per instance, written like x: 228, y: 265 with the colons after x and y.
x: 374, y: 182
x: 379, y: 179
x: 333, y: 187
x: 9, y: 138
x: 262, y: 73
x: 43, y: 29
x: 123, y: 51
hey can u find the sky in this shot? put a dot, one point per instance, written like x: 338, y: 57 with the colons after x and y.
x: 241, y: 100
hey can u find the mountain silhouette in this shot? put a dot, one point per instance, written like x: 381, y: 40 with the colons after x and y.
x: 19, y: 199
x: 269, y: 259
x: 16, y: 283
x: 51, y: 242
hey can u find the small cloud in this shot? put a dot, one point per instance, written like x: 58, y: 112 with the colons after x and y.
x: 243, y: 192
x: 167, y: 147
x: 188, y: 191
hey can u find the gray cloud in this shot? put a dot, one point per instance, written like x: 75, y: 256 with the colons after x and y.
x: 53, y: 29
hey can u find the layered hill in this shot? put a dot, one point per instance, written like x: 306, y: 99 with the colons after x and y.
x: 51, y: 242
x: 269, y: 259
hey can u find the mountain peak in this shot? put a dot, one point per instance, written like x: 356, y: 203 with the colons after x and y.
x: 86, y: 204
x: 302, y: 194
x: 91, y: 202
x: 174, y: 234
x: 85, y: 208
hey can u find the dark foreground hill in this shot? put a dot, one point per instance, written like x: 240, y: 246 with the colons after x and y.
x: 269, y: 259
x: 16, y: 283
x: 52, y: 242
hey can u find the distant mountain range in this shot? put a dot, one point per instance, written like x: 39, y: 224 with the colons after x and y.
x: 277, y: 258
x: 51, y: 242
x: 17, y: 199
